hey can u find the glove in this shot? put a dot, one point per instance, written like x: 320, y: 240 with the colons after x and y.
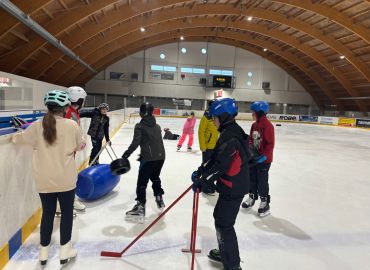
x: 125, y: 155
x: 140, y: 158
x: 260, y: 159
x: 109, y: 143
x: 197, y: 184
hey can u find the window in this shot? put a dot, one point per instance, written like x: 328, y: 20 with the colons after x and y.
x: 156, y: 68
x: 227, y: 72
x: 249, y: 83
x: 199, y: 70
x: 221, y: 72
x: 163, y: 68
x: 186, y: 70
x: 215, y: 72
x: 169, y: 69
x: 193, y: 70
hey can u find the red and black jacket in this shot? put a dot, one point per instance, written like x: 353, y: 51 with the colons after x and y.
x: 229, y: 162
x: 262, y: 138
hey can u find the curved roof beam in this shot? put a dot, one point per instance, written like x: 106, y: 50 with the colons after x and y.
x: 57, y: 26
x: 331, y: 13
x: 230, y: 42
x: 165, y: 31
x: 218, y: 9
x: 179, y: 24
x: 8, y: 22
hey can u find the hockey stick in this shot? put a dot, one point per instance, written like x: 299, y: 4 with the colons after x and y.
x: 195, y: 210
x: 119, y: 254
x: 195, y: 228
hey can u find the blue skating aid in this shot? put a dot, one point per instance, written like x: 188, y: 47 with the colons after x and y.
x: 95, y: 182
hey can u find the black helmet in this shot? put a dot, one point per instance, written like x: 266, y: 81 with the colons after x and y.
x: 146, y: 109
x: 210, y: 102
x: 120, y: 166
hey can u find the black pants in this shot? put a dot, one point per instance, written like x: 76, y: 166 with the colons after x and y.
x: 259, y: 180
x: 206, y: 155
x: 96, y: 144
x: 225, y: 213
x: 49, y: 205
x: 149, y: 170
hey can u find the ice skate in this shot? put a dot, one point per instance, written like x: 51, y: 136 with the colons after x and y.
x: 190, y: 149
x: 178, y: 148
x: 67, y: 252
x: 43, y: 255
x: 214, y: 255
x: 159, y: 201
x: 79, y: 206
x: 249, y: 202
x: 264, y: 209
x: 58, y: 214
x: 137, y: 213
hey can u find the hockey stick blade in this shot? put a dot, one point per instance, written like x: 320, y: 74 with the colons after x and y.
x: 110, y: 254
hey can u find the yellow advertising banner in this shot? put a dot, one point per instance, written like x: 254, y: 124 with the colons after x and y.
x: 348, y: 122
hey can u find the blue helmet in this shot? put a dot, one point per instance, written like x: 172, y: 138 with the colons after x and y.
x: 224, y: 105
x: 260, y: 106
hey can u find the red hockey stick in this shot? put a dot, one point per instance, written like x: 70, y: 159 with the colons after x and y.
x: 119, y: 254
x: 193, y: 223
x: 193, y: 250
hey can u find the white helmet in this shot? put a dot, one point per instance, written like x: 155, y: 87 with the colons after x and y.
x: 76, y: 93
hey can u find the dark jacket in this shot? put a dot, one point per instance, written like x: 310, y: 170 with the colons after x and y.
x: 229, y: 162
x: 262, y: 138
x: 148, y: 135
x: 99, y: 125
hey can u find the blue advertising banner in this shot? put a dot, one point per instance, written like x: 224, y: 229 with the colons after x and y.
x: 308, y: 118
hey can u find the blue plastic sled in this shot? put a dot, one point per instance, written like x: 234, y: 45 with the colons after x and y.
x: 95, y: 182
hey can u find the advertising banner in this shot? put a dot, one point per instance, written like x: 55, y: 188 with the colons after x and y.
x: 348, y: 122
x: 157, y: 111
x: 308, y: 118
x: 292, y: 118
x: 363, y: 123
x: 328, y: 120
x: 272, y: 117
x: 169, y: 112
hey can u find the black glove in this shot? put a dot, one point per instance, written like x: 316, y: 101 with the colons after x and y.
x: 126, y: 155
x: 140, y: 158
x: 109, y: 143
x: 195, y: 178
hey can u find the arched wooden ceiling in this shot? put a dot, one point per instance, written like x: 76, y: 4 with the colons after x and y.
x: 305, y: 38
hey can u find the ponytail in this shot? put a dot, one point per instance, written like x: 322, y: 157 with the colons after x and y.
x: 50, y: 129
x: 49, y: 123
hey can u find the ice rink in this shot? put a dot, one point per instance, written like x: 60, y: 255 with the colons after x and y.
x: 320, y: 190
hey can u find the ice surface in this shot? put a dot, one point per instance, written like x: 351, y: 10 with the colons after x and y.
x: 320, y: 189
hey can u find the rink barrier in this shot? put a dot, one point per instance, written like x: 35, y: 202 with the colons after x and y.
x: 17, y: 240
x: 278, y: 118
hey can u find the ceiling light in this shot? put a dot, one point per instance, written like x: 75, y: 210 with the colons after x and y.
x: 182, y: 38
x: 265, y: 50
x: 249, y: 18
x: 342, y: 57
x: 183, y: 50
x: 204, y: 51
x: 162, y: 56
x: 142, y: 29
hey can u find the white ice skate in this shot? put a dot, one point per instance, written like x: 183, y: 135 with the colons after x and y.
x: 79, y: 206
x: 67, y: 252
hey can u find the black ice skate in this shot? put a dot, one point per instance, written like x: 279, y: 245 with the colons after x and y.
x: 137, y: 213
x: 160, y: 203
x: 178, y: 148
x: 190, y: 149
x: 249, y: 202
x: 264, y: 209
x: 215, y: 255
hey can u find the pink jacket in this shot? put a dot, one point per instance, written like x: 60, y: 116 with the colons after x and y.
x: 189, y: 125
